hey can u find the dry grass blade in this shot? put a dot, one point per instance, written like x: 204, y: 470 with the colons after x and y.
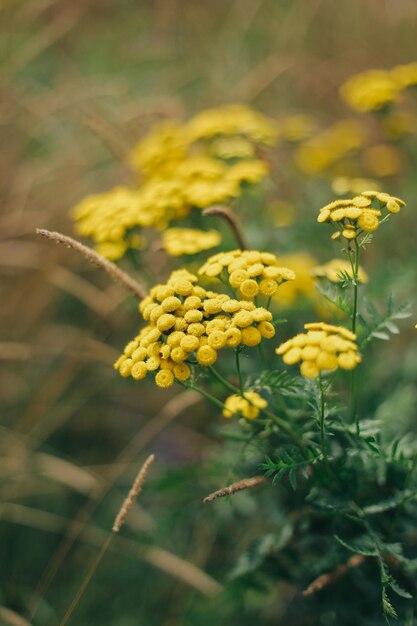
x: 133, y: 494
x: 246, y: 483
x: 96, y: 259
x: 331, y: 577
x: 9, y: 617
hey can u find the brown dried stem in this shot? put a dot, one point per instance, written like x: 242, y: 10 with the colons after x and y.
x: 133, y: 494
x: 246, y: 483
x: 96, y: 259
x: 331, y: 577
x: 231, y: 219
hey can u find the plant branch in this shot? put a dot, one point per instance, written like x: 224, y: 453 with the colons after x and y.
x: 228, y: 216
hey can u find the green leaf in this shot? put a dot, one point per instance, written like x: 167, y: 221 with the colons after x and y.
x: 359, y: 548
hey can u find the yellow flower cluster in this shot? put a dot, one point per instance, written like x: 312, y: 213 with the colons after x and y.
x: 248, y: 271
x: 107, y: 216
x: 322, y: 151
x: 382, y: 160
x: 249, y: 404
x: 342, y: 185
x: 373, y: 89
x: 296, y: 127
x: 323, y: 348
x: 183, y: 318
x: 334, y: 268
x: 353, y: 216
x: 178, y: 241
x: 232, y: 120
x: 196, y: 164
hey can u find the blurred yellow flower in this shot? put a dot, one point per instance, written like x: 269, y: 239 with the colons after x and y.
x: 248, y: 404
x: 178, y: 241
x: 343, y: 185
x: 319, y: 153
x: 158, y: 152
x: 333, y: 269
x: 234, y: 119
x: 399, y: 123
x: 297, y: 127
x: 383, y: 160
x: 370, y: 90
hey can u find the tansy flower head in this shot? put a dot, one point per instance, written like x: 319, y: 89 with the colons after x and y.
x: 178, y: 241
x: 360, y: 214
x: 319, y: 153
x: 324, y: 347
x: 370, y: 90
x: 107, y: 217
x: 333, y: 270
x: 248, y: 405
x: 233, y: 120
x: 160, y: 150
x: 249, y: 272
x: 184, y: 319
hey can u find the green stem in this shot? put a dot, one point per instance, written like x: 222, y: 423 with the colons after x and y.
x: 262, y: 358
x: 322, y: 424
x: 283, y: 424
x: 206, y: 395
x: 239, y: 373
x: 355, y: 287
x: 221, y: 379
x: 354, y: 412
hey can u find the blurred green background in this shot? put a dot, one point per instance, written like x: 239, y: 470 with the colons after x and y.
x: 81, y: 81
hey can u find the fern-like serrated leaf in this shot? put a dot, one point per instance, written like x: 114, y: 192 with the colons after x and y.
x: 381, y: 326
x: 289, y: 463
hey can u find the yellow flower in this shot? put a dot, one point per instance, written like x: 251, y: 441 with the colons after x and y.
x: 249, y: 271
x: 232, y: 120
x: 178, y: 241
x: 343, y: 185
x: 334, y: 268
x: 206, y: 355
x: 297, y: 127
x: 248, y: 171
x: 383, y: 160
x: 323, y: 348
x: 164, y: 378
x: 319, y: 153
x: 370, y: 90
x: 164, y: 146
x: 184, y: 318
x: 248, y: 405
x: 358, y: 214
x: 405, y: 75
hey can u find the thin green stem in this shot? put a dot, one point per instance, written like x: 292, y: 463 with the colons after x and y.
x: 355, y: 286
x: 288, y: 429
x: 262, y: 358
x: 204, y: 393
x: 322, y: 424
x: 354, y: 412
x: 239, y: 373
x: 221, y: 379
